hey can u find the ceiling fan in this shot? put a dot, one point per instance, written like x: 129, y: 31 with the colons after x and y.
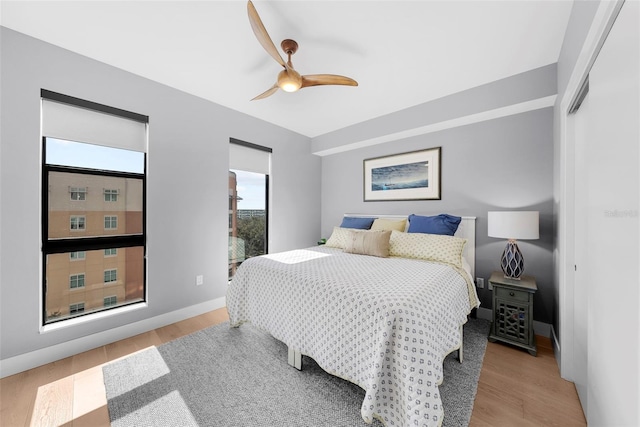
x: 289, y: 79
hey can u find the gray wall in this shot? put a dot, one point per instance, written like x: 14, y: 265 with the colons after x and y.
x: 528, y: 86
x: 505, y: 163
x: 187, y: 187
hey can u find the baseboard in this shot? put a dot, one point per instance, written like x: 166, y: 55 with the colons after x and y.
x: 23, y: 362
x: 556, y: 347
x: 539, y: 328
x: 542, y: 329
x: 485, y: 313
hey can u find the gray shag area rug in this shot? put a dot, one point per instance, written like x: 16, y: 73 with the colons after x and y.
x: 224, y: 376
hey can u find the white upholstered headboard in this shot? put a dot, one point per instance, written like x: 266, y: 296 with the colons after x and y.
x: 466, y: 230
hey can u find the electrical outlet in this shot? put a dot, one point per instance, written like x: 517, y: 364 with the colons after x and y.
x: 480, y: 282
x: 199, y: 280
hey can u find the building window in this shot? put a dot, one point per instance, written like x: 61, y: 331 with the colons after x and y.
x: 110, y: 275
x: 110, y: 222
x: 111, y: 252
x: 91, y: 146
x: 76, y: 281
x: 110, y: 195
x: 76, y: 308
x: 77, y: 255
x: 77, y: 222
x: 78, y: 193
x: 109, y: 301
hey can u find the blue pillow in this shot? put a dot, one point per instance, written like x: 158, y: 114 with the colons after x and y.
x: 355, y: 222
x: 439, y: 224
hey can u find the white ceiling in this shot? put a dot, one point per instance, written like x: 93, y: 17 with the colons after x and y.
x: 402, y: 53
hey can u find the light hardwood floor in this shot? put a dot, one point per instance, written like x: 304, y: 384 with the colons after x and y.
x: 515, y: 388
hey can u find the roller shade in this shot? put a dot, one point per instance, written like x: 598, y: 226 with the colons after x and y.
x: 249, y: 159
x: 77, y: 123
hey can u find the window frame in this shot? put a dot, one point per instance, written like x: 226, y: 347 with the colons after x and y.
x: 111, y: 220
x: 78, y: 229
x: 110, y: 255
x: 77, y: 257
x: 77, y: 310
x: 78, y: 191
x: 82, y: 243
x: 110, y: 195
x: 112, y: 272
x: 267, y: 195
x: 77, y: 277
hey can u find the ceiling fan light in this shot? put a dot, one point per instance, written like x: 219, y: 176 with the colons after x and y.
x: 289, y: 82
x: 289, y: 86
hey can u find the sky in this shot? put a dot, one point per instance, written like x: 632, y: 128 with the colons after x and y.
x: 78, y: 154
x: 251, y: 189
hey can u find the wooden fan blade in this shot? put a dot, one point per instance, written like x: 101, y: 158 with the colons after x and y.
x: 273, y: 89
x: 327, y: 79
x: 261, y: 34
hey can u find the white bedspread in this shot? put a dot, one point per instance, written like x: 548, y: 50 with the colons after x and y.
x: 384, y: 324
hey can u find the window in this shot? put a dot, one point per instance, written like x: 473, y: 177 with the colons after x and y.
x: 78, y: 193
x: 76, y: 308
x: 111, y: 252
x: 110, y: 222
x: 94, y: 154
x: 77, y: 222
x: 77, y: 255
x: 110, y: 195
x: 76, y: 281
x: 248, y: 201
x: 110, y: 276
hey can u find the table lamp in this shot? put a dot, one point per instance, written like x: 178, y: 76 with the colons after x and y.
x: 513, y: 225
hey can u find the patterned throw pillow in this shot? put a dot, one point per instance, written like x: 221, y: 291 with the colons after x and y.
x: 430, y: 247
x: 389, y: 224
x: 338, y: 237
x: 374, y: 243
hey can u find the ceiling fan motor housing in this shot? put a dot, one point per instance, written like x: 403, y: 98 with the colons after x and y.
x: 289, y: 80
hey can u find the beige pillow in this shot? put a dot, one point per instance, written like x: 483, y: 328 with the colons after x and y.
x: 430, y: 247
x: 365, y: 242
x: 389, y: 224
x: 338, y: 237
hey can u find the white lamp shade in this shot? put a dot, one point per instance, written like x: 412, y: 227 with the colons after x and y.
x: 521, y: 225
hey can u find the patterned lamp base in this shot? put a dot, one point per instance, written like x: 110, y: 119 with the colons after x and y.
x: 512, y: 262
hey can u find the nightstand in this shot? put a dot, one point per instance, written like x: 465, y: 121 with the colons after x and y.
x: 513, y: 311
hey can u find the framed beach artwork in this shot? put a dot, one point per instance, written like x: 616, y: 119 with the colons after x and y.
x: 405, y: 176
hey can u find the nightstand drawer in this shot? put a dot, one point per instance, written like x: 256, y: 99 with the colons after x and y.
x: 512, y: 294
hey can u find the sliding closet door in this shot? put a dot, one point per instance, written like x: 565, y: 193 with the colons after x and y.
x: 609, y: 185
x: 580, y: 121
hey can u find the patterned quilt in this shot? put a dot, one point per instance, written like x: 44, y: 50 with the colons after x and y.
x: 385, y: 324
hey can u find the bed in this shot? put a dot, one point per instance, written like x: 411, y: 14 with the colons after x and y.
x: 385, y: 324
